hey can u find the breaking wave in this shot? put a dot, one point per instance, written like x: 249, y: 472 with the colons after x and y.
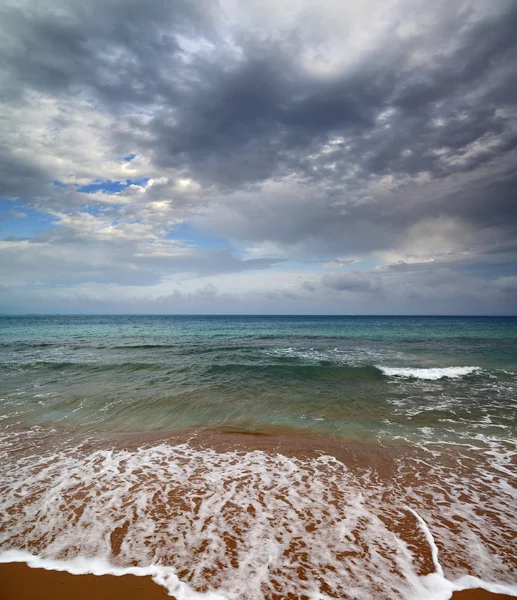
x: 433, y: 373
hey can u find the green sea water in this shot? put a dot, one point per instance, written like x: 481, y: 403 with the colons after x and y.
x: 355, y: 377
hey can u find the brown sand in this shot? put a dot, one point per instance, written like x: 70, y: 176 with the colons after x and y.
x: 20, y: 582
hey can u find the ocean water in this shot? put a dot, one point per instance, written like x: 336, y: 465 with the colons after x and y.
x: 263, y: 457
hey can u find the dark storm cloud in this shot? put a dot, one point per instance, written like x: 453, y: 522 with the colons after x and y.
x: 113, y: 48
x: 262, y: 115
x: 265, y: 116
x: 239, y: 113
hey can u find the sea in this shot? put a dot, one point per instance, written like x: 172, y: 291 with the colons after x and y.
x: 263, y: 457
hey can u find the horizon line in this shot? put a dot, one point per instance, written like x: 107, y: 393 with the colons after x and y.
x: 79, y: 314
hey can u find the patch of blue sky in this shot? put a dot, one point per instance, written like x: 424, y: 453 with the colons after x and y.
x: 18, y: 221
x: 192, y: 237
x: 110, y: 187
x: 129, y: 157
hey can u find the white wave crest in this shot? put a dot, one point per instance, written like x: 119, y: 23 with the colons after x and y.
x: 432, y: 373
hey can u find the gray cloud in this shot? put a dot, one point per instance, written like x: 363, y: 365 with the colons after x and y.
x: 242, y: 111
x: 439, y: 292
x: 352, y: 282
x: 294, y: 132
x: 124, y: 263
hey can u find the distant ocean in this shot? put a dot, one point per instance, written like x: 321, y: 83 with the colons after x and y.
x: 250, y: 457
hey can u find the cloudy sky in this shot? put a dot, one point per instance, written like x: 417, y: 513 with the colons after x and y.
x: 267, y: 156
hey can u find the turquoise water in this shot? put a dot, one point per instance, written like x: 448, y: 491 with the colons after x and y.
x: 355, y: 377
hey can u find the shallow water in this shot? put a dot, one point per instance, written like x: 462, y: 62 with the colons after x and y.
x: 366, y: 378
x: 263, y: 457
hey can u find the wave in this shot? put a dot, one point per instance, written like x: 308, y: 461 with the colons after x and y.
x: 324, y: 369
x: 307, y: 364
x: 431, y: 373
x: 366, y: 359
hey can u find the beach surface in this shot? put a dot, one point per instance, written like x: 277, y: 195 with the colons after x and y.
x: 249, y: 458
x: 20, y: 582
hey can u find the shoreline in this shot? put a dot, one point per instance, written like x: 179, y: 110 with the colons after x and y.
x: 18, y: 581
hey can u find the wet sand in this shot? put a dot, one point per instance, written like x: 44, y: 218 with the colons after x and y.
x: 20, y: 582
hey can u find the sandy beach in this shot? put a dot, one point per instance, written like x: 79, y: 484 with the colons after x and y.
x: 20, y: 582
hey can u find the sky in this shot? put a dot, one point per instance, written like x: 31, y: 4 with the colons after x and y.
x: 267, y: 156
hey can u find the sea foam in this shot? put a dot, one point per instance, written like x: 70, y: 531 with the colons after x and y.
x: 432, y: 373
x: 249, y: 525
